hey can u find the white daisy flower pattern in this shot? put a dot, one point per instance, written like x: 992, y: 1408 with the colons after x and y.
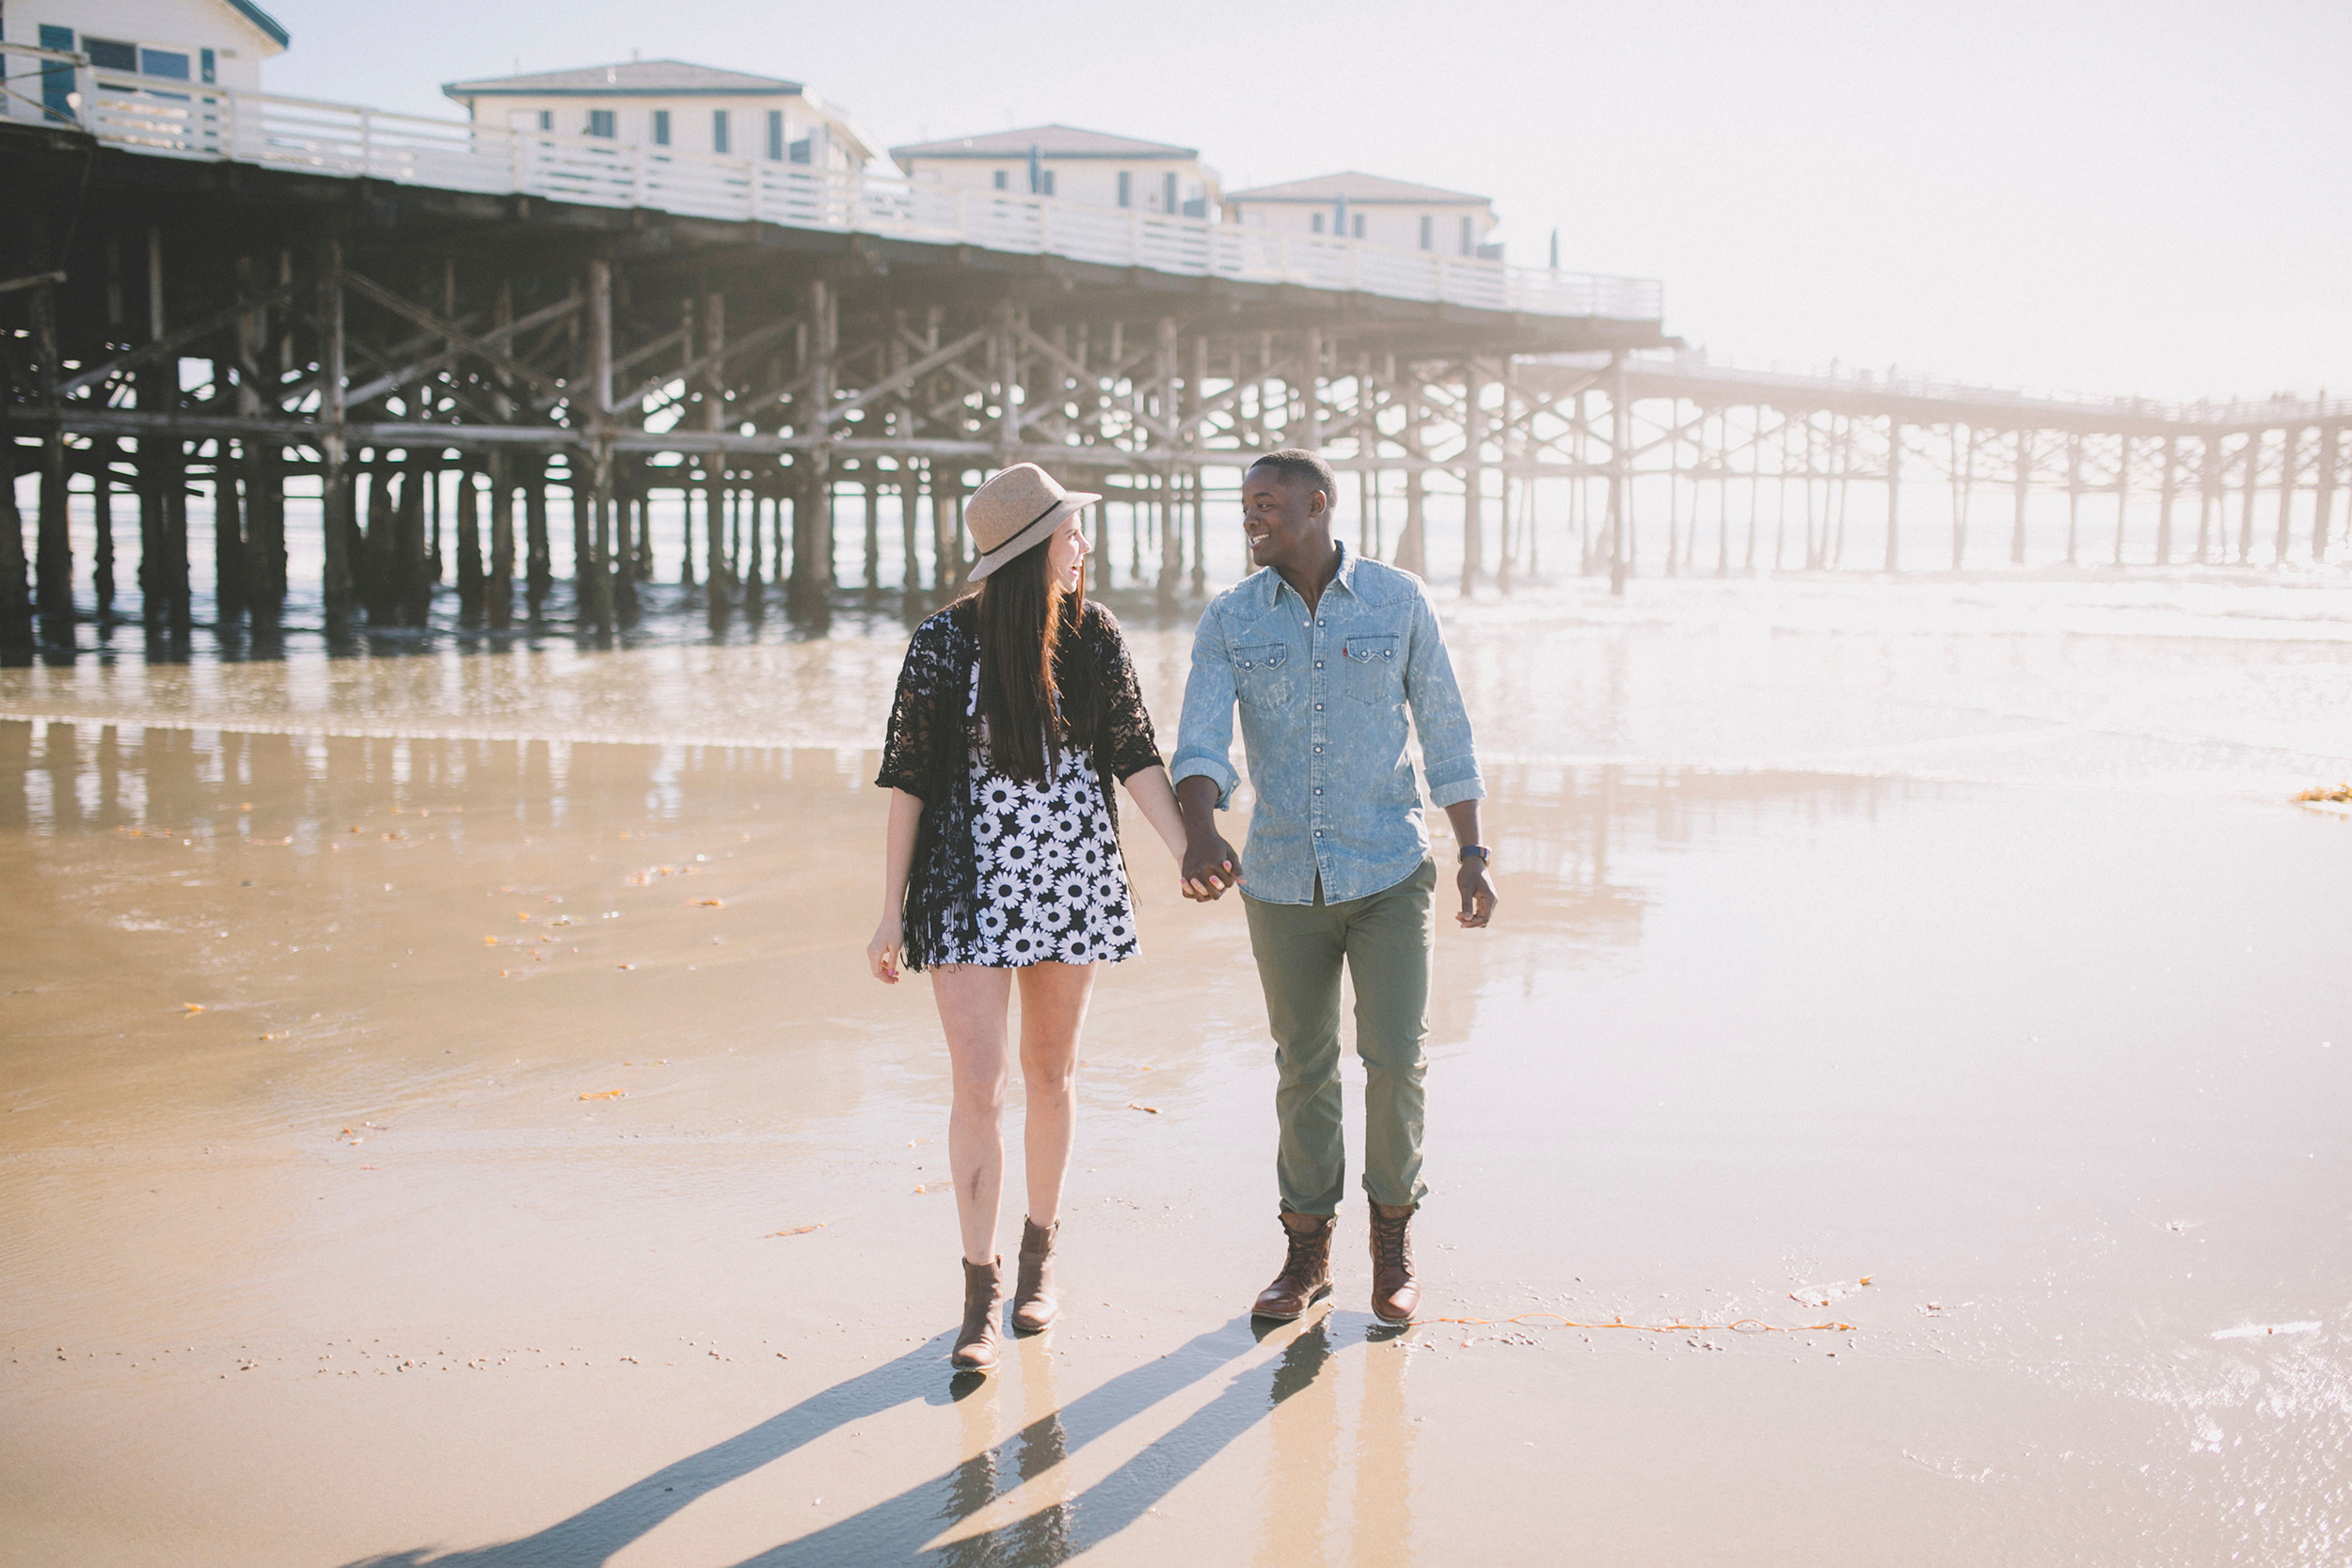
x: 1052, y: 886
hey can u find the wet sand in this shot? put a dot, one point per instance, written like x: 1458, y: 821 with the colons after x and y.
x: 366, y: 1261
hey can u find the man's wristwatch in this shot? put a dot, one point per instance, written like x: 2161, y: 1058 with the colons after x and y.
x: 1485, y: 855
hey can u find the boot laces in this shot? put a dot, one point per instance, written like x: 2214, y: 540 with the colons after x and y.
x: 1392, y: 1241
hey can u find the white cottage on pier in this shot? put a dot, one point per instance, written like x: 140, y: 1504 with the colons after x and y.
x: 1374, y: 208
x: 1090, y: 166
x: 169, y: 43
x: 694, y: 108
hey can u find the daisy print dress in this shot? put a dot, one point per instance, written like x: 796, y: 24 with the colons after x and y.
x: 1051, y: 887
x: 1007, y: 873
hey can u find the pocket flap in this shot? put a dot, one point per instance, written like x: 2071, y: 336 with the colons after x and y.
x: 1370, y: 649
x: 1262, y: 656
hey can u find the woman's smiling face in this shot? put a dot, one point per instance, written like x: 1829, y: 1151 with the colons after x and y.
x: 1066, y: 555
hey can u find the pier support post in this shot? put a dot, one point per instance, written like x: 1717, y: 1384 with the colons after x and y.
x: 2024, y: 489
x: 2122, y: 491
x: 2165, y: 498
x: 2073, y: 495
x: 1620, y: 471
x: 1894, y: 495
x: 2290, y: 461
x: 2208, y: 497
x: 1473, y: 475
x: 2323, y: 492
x: 52, y: 565
x: 335, y: 509
x: 16, y: 598
x: 2253, y: 457
x: 1164, y: 370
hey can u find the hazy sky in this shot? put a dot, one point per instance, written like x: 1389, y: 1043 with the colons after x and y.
x: 2146, y: 198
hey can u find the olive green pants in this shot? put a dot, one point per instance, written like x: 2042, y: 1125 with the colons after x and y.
x: 1384, y: 940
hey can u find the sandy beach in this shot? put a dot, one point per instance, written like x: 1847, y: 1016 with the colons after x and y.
x: 444, y: 1118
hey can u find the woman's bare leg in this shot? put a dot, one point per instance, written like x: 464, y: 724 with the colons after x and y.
x: 972, y: 1004
x: 1053, y: 1013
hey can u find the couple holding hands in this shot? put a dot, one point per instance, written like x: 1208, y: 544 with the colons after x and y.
x: 1017, y: 708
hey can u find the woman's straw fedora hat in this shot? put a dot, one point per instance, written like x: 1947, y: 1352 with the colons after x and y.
x: 1017, y: 508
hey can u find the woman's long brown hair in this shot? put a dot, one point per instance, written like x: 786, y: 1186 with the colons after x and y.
x: 1025, y: 618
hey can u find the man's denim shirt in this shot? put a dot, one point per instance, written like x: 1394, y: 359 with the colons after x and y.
x: 1323, y: 705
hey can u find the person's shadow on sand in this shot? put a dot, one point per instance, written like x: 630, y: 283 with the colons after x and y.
x: 895, y: 1529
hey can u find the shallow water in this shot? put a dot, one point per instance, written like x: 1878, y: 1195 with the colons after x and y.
x: 1954, y: 934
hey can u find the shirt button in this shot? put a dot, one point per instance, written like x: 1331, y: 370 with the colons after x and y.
x: 1318, y: 707
x: 1318, y: 832
x: 1318, y: 748
x: 1318, y: 664
x: 1318, y: 790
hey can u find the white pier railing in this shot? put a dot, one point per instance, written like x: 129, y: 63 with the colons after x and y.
x: 171, y: 119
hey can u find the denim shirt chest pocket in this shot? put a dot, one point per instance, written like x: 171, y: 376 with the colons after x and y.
x: 1370, y: 668
x: 1262, y: 673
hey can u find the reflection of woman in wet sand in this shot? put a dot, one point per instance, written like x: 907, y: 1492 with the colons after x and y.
x: 1016, y: 708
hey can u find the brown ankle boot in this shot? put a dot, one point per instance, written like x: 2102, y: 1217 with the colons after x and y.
x: 984, y: 1293
x: 1394, y: 1292
x: 1306, y: 1277
x: 1033, y: 1302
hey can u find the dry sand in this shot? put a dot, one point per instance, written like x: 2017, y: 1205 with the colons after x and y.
x: 366, y: 1260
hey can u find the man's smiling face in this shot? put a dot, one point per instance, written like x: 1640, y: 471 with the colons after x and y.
x: 1286, y: 521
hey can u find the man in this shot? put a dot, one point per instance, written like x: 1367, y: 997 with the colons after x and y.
x: 1326, y: 651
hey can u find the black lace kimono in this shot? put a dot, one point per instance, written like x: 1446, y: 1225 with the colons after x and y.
x: 1046, y: 894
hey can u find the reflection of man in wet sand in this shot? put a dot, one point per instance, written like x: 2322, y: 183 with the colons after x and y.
x: 1326, y: 653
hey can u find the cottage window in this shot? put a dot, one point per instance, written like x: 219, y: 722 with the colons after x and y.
x: 1127, y: 189
x: 661, y: 128
x: 164, y: 62
x: 1316, y: 218
x: 1002, y: 182
x: 106, y: 53
x: 1045, y: 182
x: 1167, y: 195
x: 211, y: 69
x: 600, y: 123
x: 1359, y: 226
x: 775, y: 136
x: 718, y: 131
x: 1470, y: 237
x: 546, y: 119
x: 802, y: 150
x: 1428, y: 239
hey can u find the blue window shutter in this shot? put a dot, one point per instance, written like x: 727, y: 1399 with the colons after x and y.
x: 1167, y: 195
x: 1127, y: 189
x: 1469, y: 243
x: 718, y: 131
x: 57, y: 81
x: 1428, y: 239
x: 775, y: 136
x: 661, y: 128
x: 211, y: 76
x: 1001, y: 182
x: 546, y: 119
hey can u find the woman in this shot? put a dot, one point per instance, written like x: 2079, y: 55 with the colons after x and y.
x: 1016, y: 708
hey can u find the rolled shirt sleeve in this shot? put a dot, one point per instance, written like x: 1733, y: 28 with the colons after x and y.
x: 1448, y: 757
x: 1204, y: 732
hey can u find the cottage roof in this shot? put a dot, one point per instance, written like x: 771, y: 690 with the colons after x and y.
x: 1051, y: 141
x: 261, y: 18
x: 628, y: 79
x: 1366, y: 190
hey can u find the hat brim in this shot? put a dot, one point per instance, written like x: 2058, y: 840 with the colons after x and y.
x: 1035, y: 534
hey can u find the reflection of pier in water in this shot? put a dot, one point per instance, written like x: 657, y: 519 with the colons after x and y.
x: 1567, y: 834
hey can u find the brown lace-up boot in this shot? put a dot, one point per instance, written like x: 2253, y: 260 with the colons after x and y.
x: 1033, y: 1302
x: 1306, y: 1277
x: 1394, y: 1292
x: 984, y: 1293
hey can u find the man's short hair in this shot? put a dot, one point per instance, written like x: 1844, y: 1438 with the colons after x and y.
x: 1297, y: 465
